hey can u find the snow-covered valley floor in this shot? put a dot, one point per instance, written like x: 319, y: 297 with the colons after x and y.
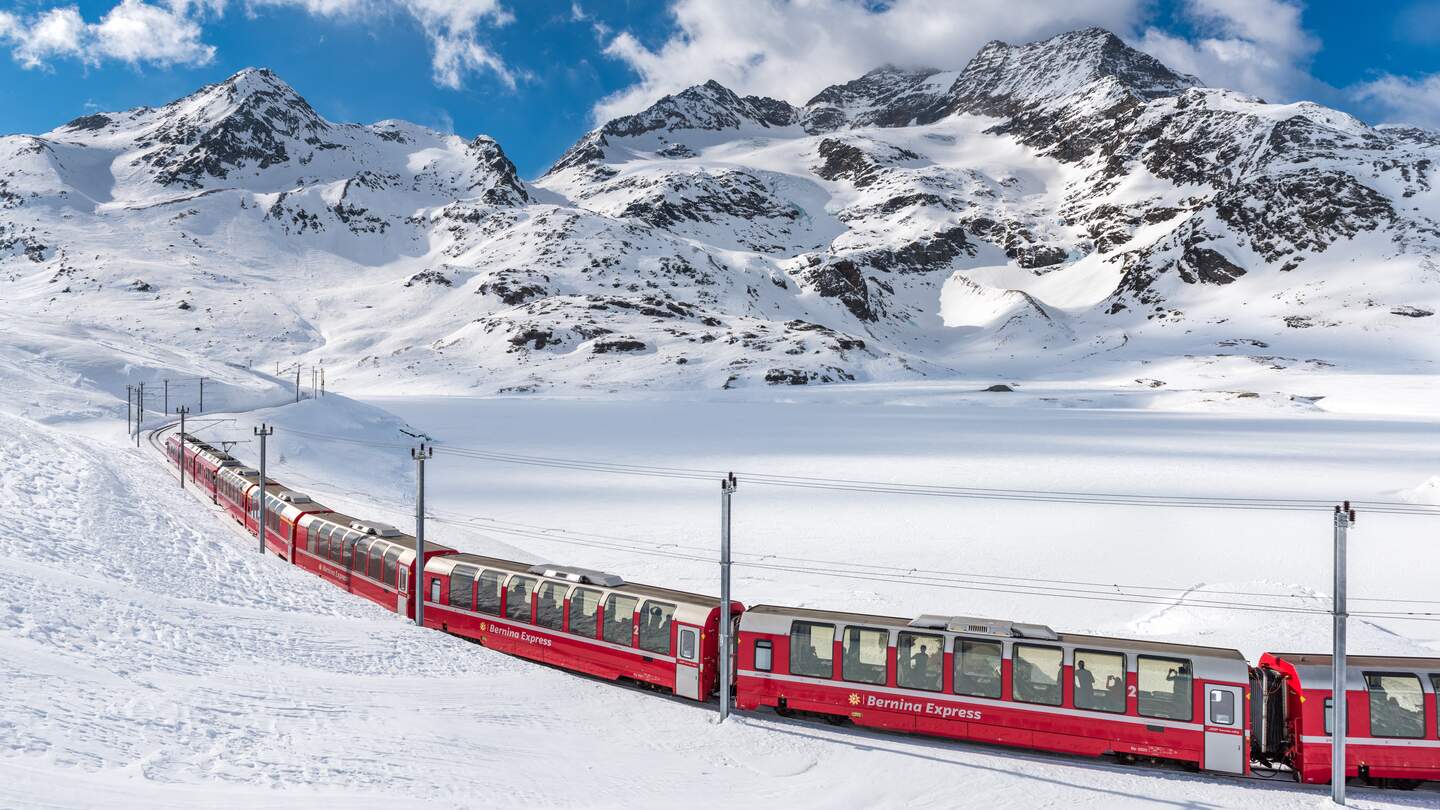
x: 152, y: 659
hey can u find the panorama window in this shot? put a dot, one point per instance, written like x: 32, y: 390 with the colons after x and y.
x: 387, y: 574
x: 620, y: 619
x: 764, y: 655
x: 360, y: 556
x: 584, y: 609
x: 1165, y: 688
x: 1037, y: 674
x: 550, y: 605
x: 919, y: 661
x: 377, y: 560
x: 812, y: 649
x: 462, y: 583
x: 977, y: 667
x: 1397, y: 705
x: 316, y: 537
x: 517, y: 597
x: 655, y: 619
x: 1100, y: 681
x: 487, y: 595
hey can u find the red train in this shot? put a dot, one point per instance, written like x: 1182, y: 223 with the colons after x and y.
x: 990, y: 681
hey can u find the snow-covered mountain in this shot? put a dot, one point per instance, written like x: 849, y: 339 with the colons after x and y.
x: 1071, y: 203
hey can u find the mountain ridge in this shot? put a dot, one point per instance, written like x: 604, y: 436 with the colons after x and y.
x: 1050, y: 204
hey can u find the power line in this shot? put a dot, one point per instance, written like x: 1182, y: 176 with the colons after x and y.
x: 931, y: 490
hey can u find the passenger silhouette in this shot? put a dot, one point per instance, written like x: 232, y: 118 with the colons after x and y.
x: 1084, y: 679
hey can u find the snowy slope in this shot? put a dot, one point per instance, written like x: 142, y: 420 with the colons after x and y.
x: 1070, y: 206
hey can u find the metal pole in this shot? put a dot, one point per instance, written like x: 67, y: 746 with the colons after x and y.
x: 263, y: 431
x: 182, y: 410
x: 139, y: 413
x: 418, y: 581
x: 727, y: 664
x: 167, y: 395
x: 202, y: 394
x: 129, y: 414
x: 322, y: 381
x: 297, y: 382
x: 1344, y: 517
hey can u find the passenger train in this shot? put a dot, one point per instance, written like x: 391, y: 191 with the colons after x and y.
x: 1000, y: 682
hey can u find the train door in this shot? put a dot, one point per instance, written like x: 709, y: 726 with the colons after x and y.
x: 403, y: 597
x: 1224, y: 730
x: 687, y: 663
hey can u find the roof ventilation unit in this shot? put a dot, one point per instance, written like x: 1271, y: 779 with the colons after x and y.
x: 582, y: 575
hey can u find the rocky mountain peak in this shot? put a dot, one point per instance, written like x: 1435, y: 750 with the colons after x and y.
x: 1064, y: 65
x: 887, y: 96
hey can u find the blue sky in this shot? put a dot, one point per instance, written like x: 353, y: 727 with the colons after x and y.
x: 536, y: 74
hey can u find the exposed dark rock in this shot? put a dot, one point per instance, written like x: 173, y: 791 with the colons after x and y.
x: 429, y: 277
x: 618, y: 345
x: 1411, y: 312
x: 1000, y: 388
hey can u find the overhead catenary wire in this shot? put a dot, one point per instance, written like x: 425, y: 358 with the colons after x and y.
x: 974, y: 581
x: 881, y: 487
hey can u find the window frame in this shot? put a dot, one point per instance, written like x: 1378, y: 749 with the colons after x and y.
x: 1015, y: 650
x: 669, y: 627
x: 769, y: 647
x: 376, y: 569
x: 390, y: 565
x: 462, y: 573
x: 605, y: 625
x: 510, y: 584
x: 1370, y: 704
x: 844, y: 655
x: 940, y: 671
x: 790, y: 663
x: 435, y: 590
x: 1075, y: 690
x: 360, y: 555
x: 500, y: 576
x: 1211, y: 692
x: 959, y: 663
x: 1189, y: 674
x: 594, y: 617
x: 539, y: 600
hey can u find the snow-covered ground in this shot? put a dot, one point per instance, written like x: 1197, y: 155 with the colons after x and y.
x: 153, y: 659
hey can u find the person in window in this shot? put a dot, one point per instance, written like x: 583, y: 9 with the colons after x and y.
x: 920, y: 662
x: 1084, y: 680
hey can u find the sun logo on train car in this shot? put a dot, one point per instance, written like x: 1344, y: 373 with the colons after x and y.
x: 482, y: 627
x: 854, y: 699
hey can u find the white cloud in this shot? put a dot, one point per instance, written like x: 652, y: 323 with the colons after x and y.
x: 1403, y: 100
x: 133, y: 32
x: 792, y: 49
x: 1257, y: 46
x: 169, y: 32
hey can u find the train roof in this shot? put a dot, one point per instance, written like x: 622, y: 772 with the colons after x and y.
x: 1022, y: 633
x: 1367, y: 661
x: 444, y: 565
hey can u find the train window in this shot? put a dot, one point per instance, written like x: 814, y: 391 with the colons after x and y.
x: 1222, y: 707
x: 1165, y: 688
x: 919, y: 660
x: 620, y: 619
x: 655, y: 618
x: 863, y: 655
x: 812, y: 649
x: 1397, y: 705
x: 584, y: 606
x: 1435, y: 685
x: 764, y: 655
x: 377, y: 558
x: 1037, y: 674
x: 387, y: 574
x: 551, y: 609
x: 1330, y: 716
x: 977, y: 668
x: 462, y: 583
x: 487, y: 594
x: 435, y: 590
x: 360, y: 556
x: 318, y: 539
x: 687, y: 646
x: 517, y: 597
x: 1100, y: 681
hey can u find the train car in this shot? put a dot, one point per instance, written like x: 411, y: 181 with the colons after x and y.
x: 1000, y: 682
x: 232, y: 490
x: 1392, y: 736
x: 366, y: 558
x: 201, y: 462
x: 581, y: 620
x: 284, y: 510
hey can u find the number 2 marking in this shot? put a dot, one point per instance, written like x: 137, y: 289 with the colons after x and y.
x: 1131, y: 691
